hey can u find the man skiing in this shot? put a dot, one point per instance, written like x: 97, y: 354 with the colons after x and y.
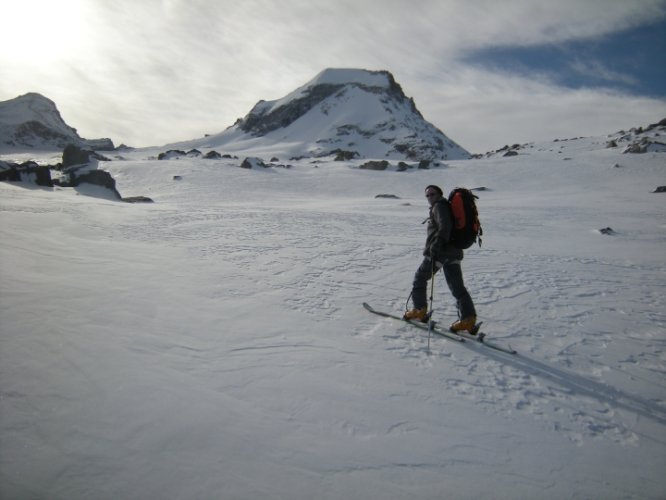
x: 439, y: 253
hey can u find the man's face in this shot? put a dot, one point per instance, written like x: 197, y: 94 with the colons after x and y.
x: 432, y: 196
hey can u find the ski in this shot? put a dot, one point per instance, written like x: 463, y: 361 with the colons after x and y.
x: 478, y: 337
x: 418, y: 324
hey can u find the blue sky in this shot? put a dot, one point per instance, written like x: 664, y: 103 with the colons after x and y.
x: 630, y: 61
x: 485, y: 72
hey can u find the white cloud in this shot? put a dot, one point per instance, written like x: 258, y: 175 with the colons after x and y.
x: 598, y: 70
x: 484, y: 111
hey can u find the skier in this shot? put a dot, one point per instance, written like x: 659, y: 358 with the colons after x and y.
x: 439, y: 253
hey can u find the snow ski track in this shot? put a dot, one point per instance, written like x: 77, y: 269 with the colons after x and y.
x: 522, y: 383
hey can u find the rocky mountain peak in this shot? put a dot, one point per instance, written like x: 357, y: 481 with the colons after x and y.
x: 354, y: 110
x: 33, y: 121
x: 33, y: 107
x: 268, y: 116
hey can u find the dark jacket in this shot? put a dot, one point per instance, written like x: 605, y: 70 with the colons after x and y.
x: 440, y: 223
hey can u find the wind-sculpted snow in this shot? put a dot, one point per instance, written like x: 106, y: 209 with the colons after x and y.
x: 213, y: 344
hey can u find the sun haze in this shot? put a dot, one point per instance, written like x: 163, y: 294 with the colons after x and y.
x: 44, y: 31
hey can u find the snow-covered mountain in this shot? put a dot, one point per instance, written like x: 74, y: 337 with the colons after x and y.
x: 351, y: 112
x: 32, y: 121
x: 348, y: 113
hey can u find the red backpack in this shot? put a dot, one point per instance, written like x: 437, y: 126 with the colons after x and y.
x: 466, y: 226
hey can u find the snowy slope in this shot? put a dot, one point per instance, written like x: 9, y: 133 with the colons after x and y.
x: 361, y: 111
x: 213, y: 344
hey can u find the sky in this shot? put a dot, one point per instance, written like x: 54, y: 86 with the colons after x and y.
x: 486, y: 73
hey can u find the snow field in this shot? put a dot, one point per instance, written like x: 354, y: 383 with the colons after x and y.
x: 213, y: 344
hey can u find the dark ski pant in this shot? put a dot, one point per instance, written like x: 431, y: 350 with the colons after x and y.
x: 454, y: 279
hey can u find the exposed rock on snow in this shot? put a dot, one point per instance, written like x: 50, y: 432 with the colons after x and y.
x: 28, y: 172
x: 641, y: 140
x: 171, y: 154
x: 87, y: 174
x: 96, y: 178
x: 341, y: 155
x: 175, y: 154
x: 78, y: 169
x: 253, y: 163
x: 263, y: 119
x: 138, y: 199
x: 649, y: 139
x: 645, y: 145
x: 74, y: 155
x: 506, y: 151
x: 375, y: 165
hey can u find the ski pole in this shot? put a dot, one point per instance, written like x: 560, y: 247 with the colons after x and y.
x: 432, y: 293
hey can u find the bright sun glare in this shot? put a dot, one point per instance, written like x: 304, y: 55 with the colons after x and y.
x: 43, y: 30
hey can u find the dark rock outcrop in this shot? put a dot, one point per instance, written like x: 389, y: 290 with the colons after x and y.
x: 28, y: 172
x: 375, y: 165
x: 341, y: 155
x: 252, y: 162
x: 170, y: 154
x: 137, y: 199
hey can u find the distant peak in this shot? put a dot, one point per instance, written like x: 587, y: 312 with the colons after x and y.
x: 357, y: 111
x: 34, y: 96
x: 341, y: 76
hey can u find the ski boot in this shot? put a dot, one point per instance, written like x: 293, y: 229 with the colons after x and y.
x: 417, y: 315
x: 467, y: 324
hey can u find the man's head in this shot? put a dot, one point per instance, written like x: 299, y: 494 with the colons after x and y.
x: 433, y: 194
